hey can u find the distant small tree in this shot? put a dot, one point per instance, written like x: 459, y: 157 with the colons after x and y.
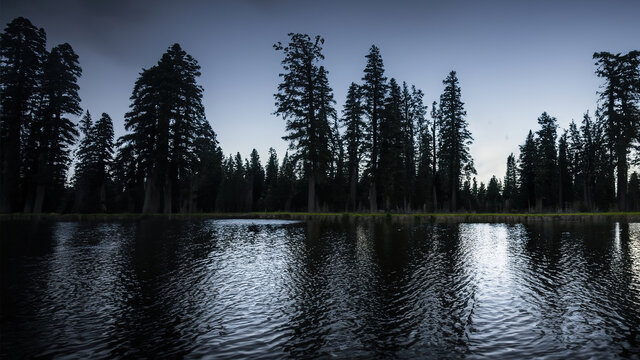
x: 95, y: 156
x: 510, y: 182
x: 271, y: 181
x: 255, y: 181
x: 494, y: 198
x: 527, y: 172
x: 565, y: 181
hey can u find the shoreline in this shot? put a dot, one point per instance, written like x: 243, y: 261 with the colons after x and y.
x: 400, y: 217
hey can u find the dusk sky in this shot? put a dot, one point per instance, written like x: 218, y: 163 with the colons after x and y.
x: 514, y: 59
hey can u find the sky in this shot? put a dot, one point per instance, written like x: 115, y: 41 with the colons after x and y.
x: 514, y: 59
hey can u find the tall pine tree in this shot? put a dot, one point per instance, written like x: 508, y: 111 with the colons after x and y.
x: 455, y: 138
x: 305, y: 101
x: 374, y: 90
x: 22, y: 53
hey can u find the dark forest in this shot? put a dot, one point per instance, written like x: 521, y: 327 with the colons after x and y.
x: 391, y: 148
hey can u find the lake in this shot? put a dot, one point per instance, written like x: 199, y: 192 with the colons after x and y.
x: 319, y: 289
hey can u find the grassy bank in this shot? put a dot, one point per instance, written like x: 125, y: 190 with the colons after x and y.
x: 401, y: 217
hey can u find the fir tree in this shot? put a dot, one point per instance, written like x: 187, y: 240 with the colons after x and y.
x: 494, y: 198
x: 95, y: 156
x: 374, y: 90
x: 565, y: 181
x: 527, y: 171
x: 455, y: 138
x: 305, y: 101
x: 353, y: 121
x: 165, y: 122
x: 510, y: 182
x: 22, y: 53
x: 53, y: 133
x: 424, y: 177
x: 619, y: 104
x: 547, y: 162
x: 391, y: 147
x: 255, y: 180
x: 271, y: 182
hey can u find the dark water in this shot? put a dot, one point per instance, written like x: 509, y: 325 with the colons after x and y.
x: 274, y: 289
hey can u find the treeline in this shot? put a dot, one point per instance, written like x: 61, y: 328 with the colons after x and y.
x: 384, y: 150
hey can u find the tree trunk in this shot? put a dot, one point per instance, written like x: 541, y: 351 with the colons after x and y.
x: 103, y: 198
x: 37, y: 205
x: 151, y: 195
x: 311, y: 198
x: 373, y: 201
x: 434, y: 192
x: 452, y: 204
x: 353, y: 189
x: 622, y: 180
x: 168, y: 196
x: 7, y: 181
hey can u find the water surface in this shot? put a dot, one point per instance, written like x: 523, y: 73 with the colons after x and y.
x: 274, y: 289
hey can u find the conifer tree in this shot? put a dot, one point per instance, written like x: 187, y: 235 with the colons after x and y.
x: 271, y: 182
x: 547, y: 162
x: 305, y: 101
x: 22, y: 53
x: 510, y: 182
x: 391, y: 148
x: 374, y: 90
x: 425, y: 179
x: 95, y: 156
x: 165, y: 122
x: 411, y: 109
x: 493, y: 194
x: 565, y: 181
x: 353, y: 122
x: 455, y: 138
x: 527, y: 171
x: 255, y: 181
x: 52, y: 133
x: 436, y: 121
x: 619, y: 104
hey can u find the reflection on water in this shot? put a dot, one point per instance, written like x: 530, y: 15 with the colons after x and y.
x: 261, y: 288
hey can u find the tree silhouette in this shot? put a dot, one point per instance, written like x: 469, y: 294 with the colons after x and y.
x: 565, y: 175
x: 391, y: 147
x: 304, y: 99
x: 255, y: 174
x: 510, y: 182
x: 374, y: 90
x: 547, y: 162
x: 352, y: 118
x: 52, y: 133
x: 22, y: 54
x: 271, y: 182
x: 424, y: 176
x: 95, y: 156
x: 165, y: 122
x: 455, y: 138
x: 619, y: 105
x: 527, y: 171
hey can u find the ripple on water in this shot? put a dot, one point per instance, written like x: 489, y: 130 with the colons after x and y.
x: 273, y: 289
